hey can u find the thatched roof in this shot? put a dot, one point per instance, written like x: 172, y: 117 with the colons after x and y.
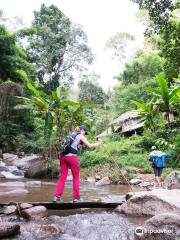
x: 128, y: 121
x: 126, y: 116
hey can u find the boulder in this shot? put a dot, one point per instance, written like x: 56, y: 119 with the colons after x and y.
x: 91, y: 180
x: 33, y: 165
x: 9, y: 175
x: 35, y: 213
x: 148, y: 177
x: 3, y: 168
x: 9, y: 158
x: 172, y: 181
x: 135, y: 181
x: 150, y: 203
x: 146, y: 184
x: 98, y: 177
x: 10, y: 210
x: 25, y: 205
x: 2, y: 164
x: 8, y: 229
x: 165, y: 226
x: 103, y: 181
x: 1, y: 176
x: 129, y: 195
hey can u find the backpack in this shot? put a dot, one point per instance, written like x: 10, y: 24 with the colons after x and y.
x: 158, y: 161
x: 64, y: 146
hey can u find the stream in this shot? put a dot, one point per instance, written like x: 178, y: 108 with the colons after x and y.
x: 78, y: 224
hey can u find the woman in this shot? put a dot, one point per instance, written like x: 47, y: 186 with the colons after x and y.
x: 70, y: 160
x: 158, y: 163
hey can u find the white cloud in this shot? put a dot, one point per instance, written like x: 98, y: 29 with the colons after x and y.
x: 100, y: 19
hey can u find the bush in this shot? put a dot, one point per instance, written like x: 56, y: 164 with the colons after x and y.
x: 126, y: 152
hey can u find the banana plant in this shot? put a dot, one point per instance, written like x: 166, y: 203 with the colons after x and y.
x: 55, y: 107
x: 148, y: 111
x: 167, y: 96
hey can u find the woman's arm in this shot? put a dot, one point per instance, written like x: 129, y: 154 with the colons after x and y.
x: 89, y: 145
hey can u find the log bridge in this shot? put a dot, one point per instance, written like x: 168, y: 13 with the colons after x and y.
x: 67, y: 205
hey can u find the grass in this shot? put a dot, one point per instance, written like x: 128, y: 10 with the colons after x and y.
x: 125, y: 154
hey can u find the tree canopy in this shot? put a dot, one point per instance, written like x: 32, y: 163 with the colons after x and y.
x: 56, y: 46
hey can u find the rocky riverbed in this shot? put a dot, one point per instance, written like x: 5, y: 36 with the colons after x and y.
x: 152, y: 215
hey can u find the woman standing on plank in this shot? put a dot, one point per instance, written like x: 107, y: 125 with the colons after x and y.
x: 69, y: 159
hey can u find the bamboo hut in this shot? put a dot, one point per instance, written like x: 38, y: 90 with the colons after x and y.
x: 127, y: 123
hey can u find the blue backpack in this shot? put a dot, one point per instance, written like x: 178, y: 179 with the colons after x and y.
x: 159, y: 162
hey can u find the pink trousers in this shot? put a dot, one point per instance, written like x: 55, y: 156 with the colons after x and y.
x: 67, y: 162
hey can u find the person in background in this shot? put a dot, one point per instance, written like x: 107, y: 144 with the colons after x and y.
x: 157, y: 158
x: 70, y: 160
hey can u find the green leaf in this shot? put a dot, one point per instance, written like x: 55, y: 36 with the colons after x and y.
x: 39, y: 102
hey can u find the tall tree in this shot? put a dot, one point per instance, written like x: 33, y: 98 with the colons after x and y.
x: 118, y: 44
x: 56, y: 46
x: 90, y: 90
x: 13, y: 58
x: 144, y: 66
x: 160, y: 11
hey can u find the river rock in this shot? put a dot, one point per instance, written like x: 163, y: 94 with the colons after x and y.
x: 3, y: 168
x: 165, y: 226
x: 9, y: 158
x: 146, y: 184
x: 8, y: 229
x: 2, y: 164
x: 129, y: 195
x: 135, y: 181
x: 103, y: 181
x: 25, y: 205
x: 91, y: 180
x: 9, y: 175
x: 152, y: 202
x: 172, y: 181
x: 35, y: 213
x: 10, y: 210
x: 146, y: 177
x: 1, y: 176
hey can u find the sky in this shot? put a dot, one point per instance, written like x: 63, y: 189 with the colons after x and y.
x: 100, y: 19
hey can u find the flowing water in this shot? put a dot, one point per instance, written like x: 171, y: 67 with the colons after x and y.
x: 80, y: 224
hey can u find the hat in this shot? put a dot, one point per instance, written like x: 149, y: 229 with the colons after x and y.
x: 153, y: 147
x: 83, y: 127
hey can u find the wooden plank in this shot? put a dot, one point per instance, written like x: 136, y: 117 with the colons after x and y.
x: 65, y: 206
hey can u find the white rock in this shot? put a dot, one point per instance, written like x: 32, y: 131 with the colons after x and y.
x: 10, y: 209
x: 90, y: 180
x: 9, y: 175
x: 103, y: 181
x: 152, y: 202
x: 35, y: 212
x: 135, y: 181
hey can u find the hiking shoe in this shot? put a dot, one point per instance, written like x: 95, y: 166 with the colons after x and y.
x: 57, y: 200
x: 77, y: 200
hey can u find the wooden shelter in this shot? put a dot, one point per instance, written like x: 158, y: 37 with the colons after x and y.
x: 127, y: 123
